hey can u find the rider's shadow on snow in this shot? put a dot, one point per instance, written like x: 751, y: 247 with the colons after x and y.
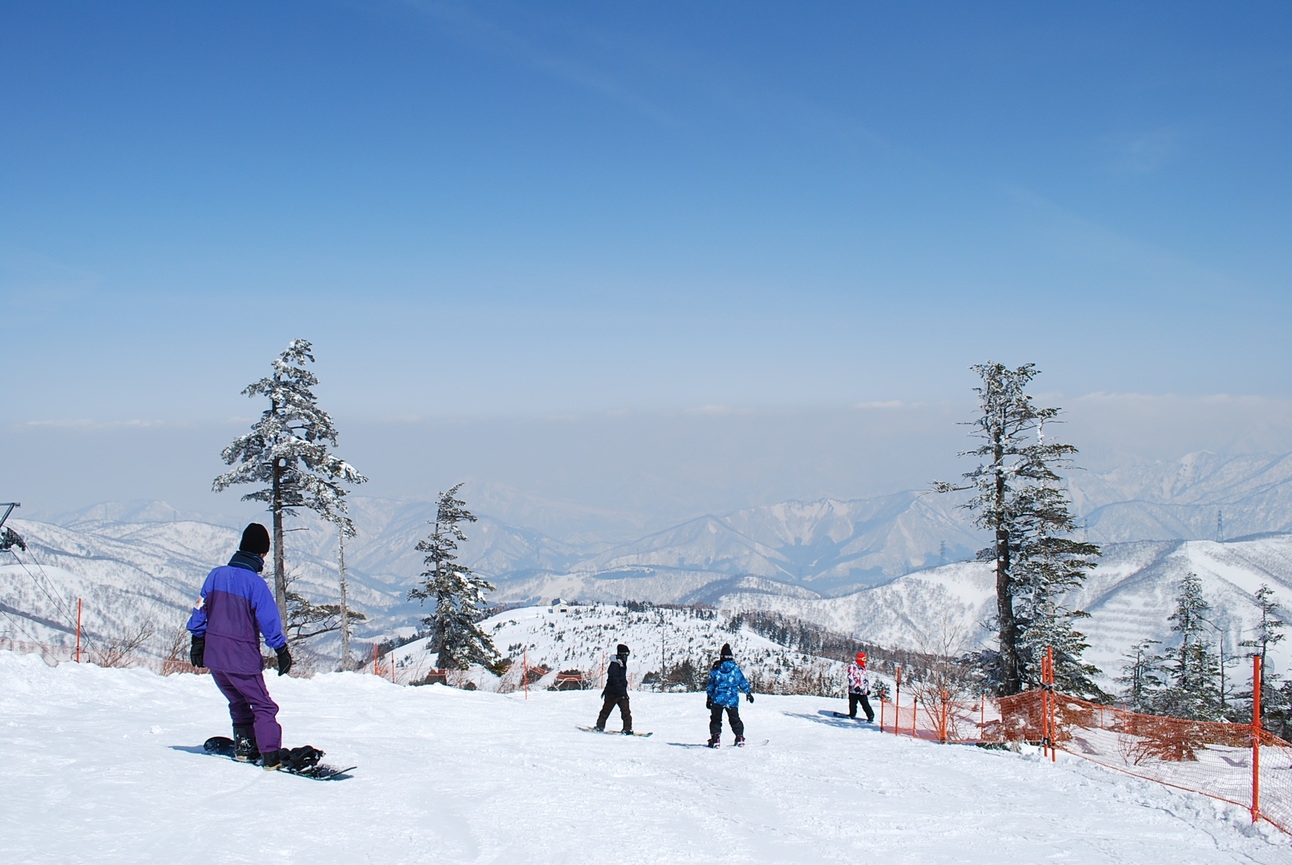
x: 824, y: 716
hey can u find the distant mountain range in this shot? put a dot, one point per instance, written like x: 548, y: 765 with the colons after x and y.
x: 883, y: 567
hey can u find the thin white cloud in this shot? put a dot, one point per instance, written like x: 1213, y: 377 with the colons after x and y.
x: 91, y: 425
x: 1143, y: 152
x: 887, y: 404
x: 717, y: 410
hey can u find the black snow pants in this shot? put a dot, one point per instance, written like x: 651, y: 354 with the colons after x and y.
x: 853, y: 699
x: 624, y: 712
x: 733, y: 718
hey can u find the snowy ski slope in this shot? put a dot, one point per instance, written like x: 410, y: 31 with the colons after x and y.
x: 95, y: 772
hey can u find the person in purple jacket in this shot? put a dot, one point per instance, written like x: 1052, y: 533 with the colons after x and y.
x: 234, y: 609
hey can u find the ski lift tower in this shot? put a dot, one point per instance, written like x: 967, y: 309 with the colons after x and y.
x: 8, y: 537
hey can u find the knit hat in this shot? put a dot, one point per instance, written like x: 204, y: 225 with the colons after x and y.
x: 621, y: 649
x: 255, y: 539
x: 726, y: 651
x: 861, y: 659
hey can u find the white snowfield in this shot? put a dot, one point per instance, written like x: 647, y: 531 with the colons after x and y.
x: 95, y: 770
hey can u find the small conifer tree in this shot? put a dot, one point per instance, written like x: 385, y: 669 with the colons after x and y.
x: 1142, y: 676
x: 458, y: 593
x: 1192, y: 669
x: 1269, y: 632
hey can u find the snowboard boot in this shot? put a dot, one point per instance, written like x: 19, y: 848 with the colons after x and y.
x: 273, y: 760
x: 740, y: 741
x: 628, y: 732
x: 600, y: 729
x: 713, y: 743
x: 244, y: 744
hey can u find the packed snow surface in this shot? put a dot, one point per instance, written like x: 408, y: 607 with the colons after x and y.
x: 98, y: 767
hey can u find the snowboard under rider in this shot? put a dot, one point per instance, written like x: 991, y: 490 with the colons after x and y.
x: 234, y: 609
x: 859, y: 688
x: 725, y: 684
x: 616, y: 692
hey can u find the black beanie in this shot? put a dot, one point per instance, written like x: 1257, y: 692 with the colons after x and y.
x: 255, y: 539
x: 726, y: 651
x: 621, y: 649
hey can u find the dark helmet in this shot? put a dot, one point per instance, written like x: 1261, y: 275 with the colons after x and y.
x: 621, y: 650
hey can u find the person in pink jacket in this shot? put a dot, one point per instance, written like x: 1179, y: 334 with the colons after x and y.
x: 859, y: 688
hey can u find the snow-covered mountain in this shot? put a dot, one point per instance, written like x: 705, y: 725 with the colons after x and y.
x: 885, y: 568
x: 1129, y: 596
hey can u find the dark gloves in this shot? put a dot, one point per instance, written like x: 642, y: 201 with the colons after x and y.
x: 708, y: 703
x: 749, y: 698
x: 197, y: 654
x: 284, y: 661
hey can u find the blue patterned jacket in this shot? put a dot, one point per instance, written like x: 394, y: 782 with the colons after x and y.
x: 725, y: 684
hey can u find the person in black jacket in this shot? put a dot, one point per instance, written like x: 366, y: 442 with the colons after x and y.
x: 616, y: 691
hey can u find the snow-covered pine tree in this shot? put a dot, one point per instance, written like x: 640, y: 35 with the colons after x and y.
x: 1019, y: 497
x: 287, y: 451
x: 458, y: 593
x: 1142, y: 676
x: 1269, y: 632
x: 1192, y: 669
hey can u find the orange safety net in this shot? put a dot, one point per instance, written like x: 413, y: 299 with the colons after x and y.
x: 1237, y: 763
x: 936, y: 718
x: 1207, y: 757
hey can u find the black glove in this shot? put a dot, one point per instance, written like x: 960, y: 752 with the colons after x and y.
x: 284, y: 661
x: 708, y: 703
x: 197, y: 654
x: 749, y: 698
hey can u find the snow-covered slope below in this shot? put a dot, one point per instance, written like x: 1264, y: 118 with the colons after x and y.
x: 451, y: 776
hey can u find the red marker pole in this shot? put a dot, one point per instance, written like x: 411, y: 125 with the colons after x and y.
x: 897, y: 702
x: 1256, y: 738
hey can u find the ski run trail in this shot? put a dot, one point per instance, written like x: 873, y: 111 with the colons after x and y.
x: 93, y: 769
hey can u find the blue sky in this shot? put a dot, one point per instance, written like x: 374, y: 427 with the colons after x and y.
x: 508, y: 211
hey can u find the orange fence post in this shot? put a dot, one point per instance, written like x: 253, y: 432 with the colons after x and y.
x: 1256, y: 738
x: 524, y: 671
x: 78, y: 630
x: 1054, y: 735
x: 882, y: 701
x: 897, y: 702
x: 1045, y: 710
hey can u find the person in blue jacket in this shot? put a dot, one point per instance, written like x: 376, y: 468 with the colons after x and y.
x: 725, y: 684
x: 234, y: 609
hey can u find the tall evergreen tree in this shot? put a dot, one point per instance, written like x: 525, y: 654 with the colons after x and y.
x: 458, y: 593
x: 287, y: 452
x: 1019, y: 497
x: 1192, y: 669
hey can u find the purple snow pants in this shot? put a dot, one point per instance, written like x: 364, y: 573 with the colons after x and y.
x: 249, y: 703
